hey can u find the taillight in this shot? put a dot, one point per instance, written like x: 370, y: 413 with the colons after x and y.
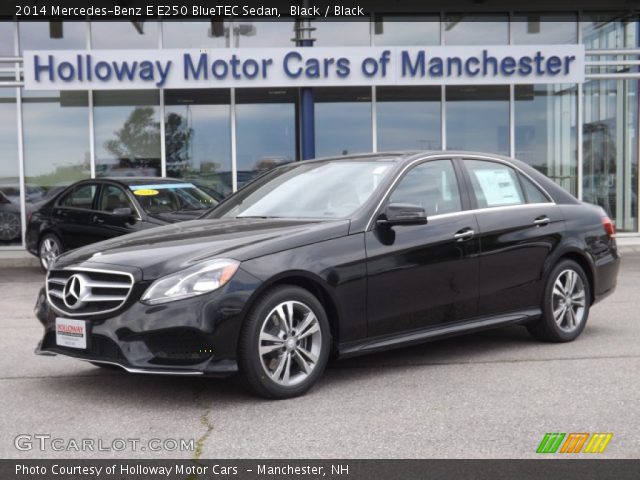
x: 609, y: 227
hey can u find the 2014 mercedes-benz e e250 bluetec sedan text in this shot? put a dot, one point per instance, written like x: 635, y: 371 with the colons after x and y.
x: 335, y: 257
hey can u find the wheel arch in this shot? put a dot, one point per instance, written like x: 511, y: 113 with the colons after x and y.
x: 313, y: 284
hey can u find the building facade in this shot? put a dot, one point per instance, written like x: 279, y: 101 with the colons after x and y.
x: 582, y: 135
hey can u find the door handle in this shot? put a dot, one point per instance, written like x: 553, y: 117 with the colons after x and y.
x: 541, y: 221
x: 463, y: 235
x: 97, y: 219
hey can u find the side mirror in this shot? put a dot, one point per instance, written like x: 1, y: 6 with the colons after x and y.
x: 122, y: 212
x: 402, y: 214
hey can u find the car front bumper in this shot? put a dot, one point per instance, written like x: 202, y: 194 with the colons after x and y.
x: 194, y: 336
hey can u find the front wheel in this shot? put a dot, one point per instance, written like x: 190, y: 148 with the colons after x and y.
x: 284, y: 344
x: 566, y: 303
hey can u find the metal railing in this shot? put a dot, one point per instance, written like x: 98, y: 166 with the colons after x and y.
x: 624, y: 65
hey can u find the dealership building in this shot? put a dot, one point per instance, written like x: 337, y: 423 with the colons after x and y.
x: 217, y: 102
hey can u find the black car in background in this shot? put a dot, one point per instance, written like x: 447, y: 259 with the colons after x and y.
x: 335, y: 257
x: 93, y: 210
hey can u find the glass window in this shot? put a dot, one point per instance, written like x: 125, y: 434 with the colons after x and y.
x: 10, y: 221
x: 545, y: 131
x: 213, y: 34
x: 127, y: 133
x: 123, y: 35
x: 80, y: 197
x: 52, y: 35
x: 494, y: 184
x: 610, y: 152
x: 198, y: 137
x: 432, y: 186
x: 476, y: 29
x: 343, y: 121
x: 56, y: 139
x: 309, y: 190
x: 544, y: 29
x: 6, y: 39
x: 263, y: 34
x: 171, y: 197
x: 533, y: 193
x: 408, y: 118
x: 406, y: 30
x: 341, y: 33
x: 113, y: 197
x: 265, y: 130
x: 609, y: 30
x: 478, y: 118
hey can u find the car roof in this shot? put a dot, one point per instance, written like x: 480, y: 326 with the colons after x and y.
x: 143, y: 180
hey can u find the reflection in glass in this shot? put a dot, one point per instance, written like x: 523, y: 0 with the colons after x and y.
x: 341, y: 33
x: 266, y: 130
x: 544, y: 29
x: 476, y: 29
x: 10, y: 222
x: 52, y: 35
x: 127, y: 133
x: 6, y: 39
x: 406, y: 30
x: 478, y: 118
x: 610, y: 153
x: 213, y: 34
x: 116, y: 35
x: 609, y: 30
x: 408, y: 118
x: 545, y: 131
x: 198, y: 137
x: 343, y: 121
x: 263, y: 34
x: 56, y: 139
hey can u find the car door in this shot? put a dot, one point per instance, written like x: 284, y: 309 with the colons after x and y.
x: 423, y: 276
x: 519, y: 226
x: 71, y: 215
x: 110, y: 219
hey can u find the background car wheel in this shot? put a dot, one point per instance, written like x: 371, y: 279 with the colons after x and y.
x: 284, y: 344
x: 566, y: 302
x: 9, y: 226
x: 50, y: 248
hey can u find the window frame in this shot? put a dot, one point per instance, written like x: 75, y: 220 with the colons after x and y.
x: 72, y: 189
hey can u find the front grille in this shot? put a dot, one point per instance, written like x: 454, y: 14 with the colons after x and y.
x: 99, y: 348
x: 78, y: 292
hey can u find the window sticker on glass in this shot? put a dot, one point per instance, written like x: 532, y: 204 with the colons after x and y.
x: 145, y: 192
x: 498, y: 187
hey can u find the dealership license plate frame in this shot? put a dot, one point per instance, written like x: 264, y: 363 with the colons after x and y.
x: 68, y: 340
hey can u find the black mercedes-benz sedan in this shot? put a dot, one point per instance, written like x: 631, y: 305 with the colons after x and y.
x: 332, y: 258
x: 93, y: 210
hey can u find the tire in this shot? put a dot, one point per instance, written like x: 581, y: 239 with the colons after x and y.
x: 564, y: 315
x: 10, y: 226
x: 285, y: 330
x: 49, y: 248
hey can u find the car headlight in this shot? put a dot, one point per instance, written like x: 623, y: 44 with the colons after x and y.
x: 196, y: 280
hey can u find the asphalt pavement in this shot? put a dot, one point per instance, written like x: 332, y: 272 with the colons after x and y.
x: 488, y: 395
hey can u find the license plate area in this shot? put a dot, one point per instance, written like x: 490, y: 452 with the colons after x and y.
x: 71, y: 333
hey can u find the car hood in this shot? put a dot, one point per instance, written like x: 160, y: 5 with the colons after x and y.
x: 166, y: 249
x: 181, y: 216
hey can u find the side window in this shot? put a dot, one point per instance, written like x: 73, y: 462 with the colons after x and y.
x: 431, y: 185
x: 113, y: 197
x: 534, y: 194
x: 494, y: 184
x: 80, y: 197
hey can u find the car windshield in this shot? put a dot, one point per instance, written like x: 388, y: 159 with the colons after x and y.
x: 332, y: 189
x: 172, y: 197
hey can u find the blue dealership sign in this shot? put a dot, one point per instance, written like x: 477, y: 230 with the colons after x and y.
x: 303, y: 67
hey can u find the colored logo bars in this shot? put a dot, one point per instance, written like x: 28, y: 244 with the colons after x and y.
x: 573, y: 443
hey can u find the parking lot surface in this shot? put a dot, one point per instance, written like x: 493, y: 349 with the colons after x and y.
x: 493, y: 394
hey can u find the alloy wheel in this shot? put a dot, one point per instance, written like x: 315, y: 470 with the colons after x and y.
x: 9, y: 226
x: 290, y: 343
x: 568, y: 300
x: 49, y: 251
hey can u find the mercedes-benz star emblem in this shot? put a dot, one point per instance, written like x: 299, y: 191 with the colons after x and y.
x: 74, y: 291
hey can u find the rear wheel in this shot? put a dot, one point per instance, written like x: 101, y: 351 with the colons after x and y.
x: 284, y: 344
x: 9, y: 226
x: 50, y: 248
x: 566, y: 303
